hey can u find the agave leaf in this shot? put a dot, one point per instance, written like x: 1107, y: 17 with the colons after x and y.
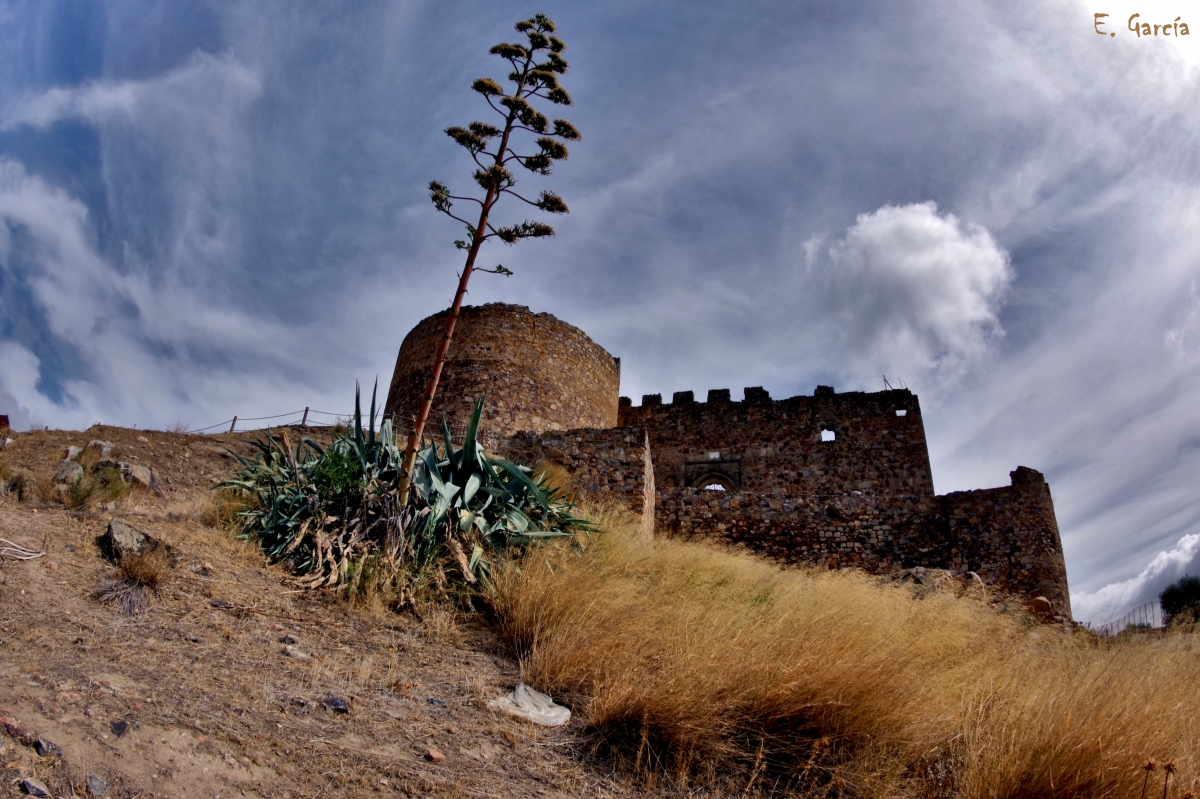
x: 471, y: 488
x: 521, y: 477
x: 449, y: 443
x: 471, y: 440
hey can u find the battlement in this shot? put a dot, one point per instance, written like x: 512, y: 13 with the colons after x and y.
x: 826, y: 443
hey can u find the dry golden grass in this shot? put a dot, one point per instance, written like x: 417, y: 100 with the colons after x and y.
x: 138, y: 576
x: 222, y: 509
x: 694, y: 660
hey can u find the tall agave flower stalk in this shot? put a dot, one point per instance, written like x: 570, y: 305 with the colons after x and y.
x: 536, y: 65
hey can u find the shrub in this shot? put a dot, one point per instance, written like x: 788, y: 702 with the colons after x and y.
x: 333, y: 514
x: 1181, y: 601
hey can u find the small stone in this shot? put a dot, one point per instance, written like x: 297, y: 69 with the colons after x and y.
x: 119, y: 727
x: 35, y: 788
x: 275, y: 628
x: 434, y: 756
x: 46, y: 748
x: 72, y: 453
x: 1040, y: 606
x: 68, y: 472
x: 97, y: 786
x: 335, y: 704
x: 296, y: 654
x: 105, y: 447
x: 143, y: 439
x: 289, y: 639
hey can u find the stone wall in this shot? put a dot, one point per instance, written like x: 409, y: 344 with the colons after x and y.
x: 1006, y: 535
x: 760, y: 444
x: 606, y: 464
x: 539, y: 373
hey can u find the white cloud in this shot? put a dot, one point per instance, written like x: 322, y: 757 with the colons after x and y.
x: 911, y: 292
x: 18, y: 376
x: 1114, y: 599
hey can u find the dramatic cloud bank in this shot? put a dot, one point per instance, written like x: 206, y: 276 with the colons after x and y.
x: 218, y: 209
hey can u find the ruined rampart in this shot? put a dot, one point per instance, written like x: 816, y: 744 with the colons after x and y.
x: 538, y: 373
x: 840, y: 480
x: 605, y: 464
x: 1008, y: 536
x: 825, y: 444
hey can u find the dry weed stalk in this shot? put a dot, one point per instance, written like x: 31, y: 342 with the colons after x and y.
x: 689, y: 651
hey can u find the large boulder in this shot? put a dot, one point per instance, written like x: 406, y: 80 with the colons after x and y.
x: 134, y: 473
x: 68, y: 472
x: 123, y: 540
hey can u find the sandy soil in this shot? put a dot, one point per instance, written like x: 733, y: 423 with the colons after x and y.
x: 216, y: 689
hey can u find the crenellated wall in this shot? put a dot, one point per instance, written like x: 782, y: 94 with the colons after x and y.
x: 841, y: 480
x: 776, y: 446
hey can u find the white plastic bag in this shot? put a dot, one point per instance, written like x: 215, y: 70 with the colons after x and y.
x: 526, y: 703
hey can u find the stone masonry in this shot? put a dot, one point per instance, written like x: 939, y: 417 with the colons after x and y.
x: 834, y: 480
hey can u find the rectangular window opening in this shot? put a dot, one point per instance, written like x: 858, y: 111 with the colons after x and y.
x: 714, y: 456
x: 828, y: 435
x: 902, y: 411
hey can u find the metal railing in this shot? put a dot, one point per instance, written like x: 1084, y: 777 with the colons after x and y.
x: 1149, y: 615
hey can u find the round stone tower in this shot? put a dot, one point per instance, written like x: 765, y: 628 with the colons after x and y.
x: 539, y: 374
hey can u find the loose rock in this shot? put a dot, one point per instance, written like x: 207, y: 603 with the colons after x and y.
x: 336, y: 704
x: 68, y: 472
x: 72, y: 453
x: 295, y: 653
x: 96, y: 785
x: 434, y: 756
x: 35, y: 788
x: 1040, y: 606
x: 105, y: 447
x: 289, y: 639
x: 121, y: 540
x: 45, y: 748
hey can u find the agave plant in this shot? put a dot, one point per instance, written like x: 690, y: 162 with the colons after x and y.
x: 321, y: 509
x: 325, y: 510
x: 466, y: 499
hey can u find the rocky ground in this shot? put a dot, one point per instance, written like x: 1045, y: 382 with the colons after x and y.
x: 231, y: 682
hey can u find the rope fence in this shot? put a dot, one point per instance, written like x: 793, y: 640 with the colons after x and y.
x: 304, y: 418
x: 303, y: 421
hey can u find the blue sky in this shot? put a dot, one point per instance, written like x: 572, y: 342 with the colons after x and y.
x: 219, y: 208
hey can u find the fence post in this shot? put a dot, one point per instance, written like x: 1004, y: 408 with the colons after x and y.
x: 304, y: 421
x: 233, y: 424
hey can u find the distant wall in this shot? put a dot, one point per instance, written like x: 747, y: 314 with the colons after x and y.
x: 606, y: 464
x: 1006, y: 535
x: 776, y: 446
x: 539, y: 373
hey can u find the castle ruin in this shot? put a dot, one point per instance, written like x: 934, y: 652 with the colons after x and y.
x: 831, y: 479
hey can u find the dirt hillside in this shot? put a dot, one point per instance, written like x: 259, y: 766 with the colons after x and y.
x: 230, y: 682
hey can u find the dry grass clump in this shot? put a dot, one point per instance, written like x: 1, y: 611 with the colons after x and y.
x: 223, y: 508
x: 12, y: 482
x: 697, y: 663
x: 138, y: 576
